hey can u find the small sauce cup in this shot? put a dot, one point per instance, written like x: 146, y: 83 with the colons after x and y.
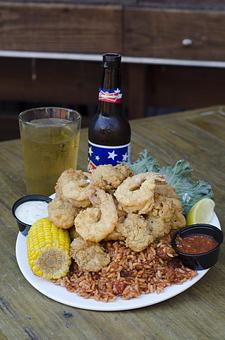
x: 27, y: 210
x: 199, y: 261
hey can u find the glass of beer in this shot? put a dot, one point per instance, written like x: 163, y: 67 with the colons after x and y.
x: 50, y: 140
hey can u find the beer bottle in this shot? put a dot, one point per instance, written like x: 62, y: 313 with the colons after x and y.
x: 109, y: 131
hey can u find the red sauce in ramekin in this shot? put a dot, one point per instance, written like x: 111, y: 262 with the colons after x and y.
x: 196, y: 243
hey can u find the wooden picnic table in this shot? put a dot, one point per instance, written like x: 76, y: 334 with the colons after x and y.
x: 198, y: 313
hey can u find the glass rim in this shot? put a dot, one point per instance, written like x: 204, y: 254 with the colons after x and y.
x: 21, y: 114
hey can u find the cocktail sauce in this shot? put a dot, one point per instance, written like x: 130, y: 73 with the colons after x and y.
x: 196, y: 243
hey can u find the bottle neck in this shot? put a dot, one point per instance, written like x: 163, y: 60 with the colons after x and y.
x: 110, y: 95
x: 111, y: 78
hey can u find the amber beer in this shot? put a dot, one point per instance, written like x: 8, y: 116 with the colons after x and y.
x: 109, y: 131
x: 50, y: 140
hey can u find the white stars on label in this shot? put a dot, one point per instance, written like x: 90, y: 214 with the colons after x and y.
x: 102, y: 154
x: 112, y: 155
x: 125, y: 157
x: 90, y: 151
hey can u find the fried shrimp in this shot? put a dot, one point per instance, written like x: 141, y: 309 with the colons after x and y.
x: 108, y: 177
x: 136, y: 231
x: 116, y: 234
x: 94, y: 224
x: 62, y: 213
x: 74, y: 186
x: 88, y: 255
x: 136, y: 193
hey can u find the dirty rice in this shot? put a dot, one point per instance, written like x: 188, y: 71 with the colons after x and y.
x: 129, y: 273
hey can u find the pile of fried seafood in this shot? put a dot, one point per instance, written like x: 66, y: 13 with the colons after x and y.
x: 120, y: 226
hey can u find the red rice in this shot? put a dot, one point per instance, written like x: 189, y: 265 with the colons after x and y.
x: 129, y: 273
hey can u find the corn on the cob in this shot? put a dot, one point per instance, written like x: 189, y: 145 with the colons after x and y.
x: 48, y: 249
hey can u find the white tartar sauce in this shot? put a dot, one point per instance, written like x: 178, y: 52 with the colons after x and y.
x: 31, y: 211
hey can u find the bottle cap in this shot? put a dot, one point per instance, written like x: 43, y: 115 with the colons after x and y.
x: 110, y: 59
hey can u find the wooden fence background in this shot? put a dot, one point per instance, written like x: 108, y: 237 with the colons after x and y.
x: 151, y: 29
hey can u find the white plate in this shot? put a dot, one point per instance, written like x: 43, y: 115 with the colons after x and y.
x: 62, y: 295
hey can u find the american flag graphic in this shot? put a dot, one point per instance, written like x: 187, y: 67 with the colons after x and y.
x: 110, y: 96
x: 100, y: 154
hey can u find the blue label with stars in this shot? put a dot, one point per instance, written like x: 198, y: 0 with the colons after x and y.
x: 100, y: 154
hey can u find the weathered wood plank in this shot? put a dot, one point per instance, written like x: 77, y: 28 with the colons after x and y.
x: 71, y: 82
x: 86, y: 2
x: 160, y: 33
x: 184, y: 87
x: 136, y: 90
x: 60, y: 28
x: 74, y: 83
x: 9, y: 127
x: 77, y: 83
x: 152, y: 29
x: 184, y: 4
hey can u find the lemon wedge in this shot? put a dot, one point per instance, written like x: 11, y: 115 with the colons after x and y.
x: 201, y: 212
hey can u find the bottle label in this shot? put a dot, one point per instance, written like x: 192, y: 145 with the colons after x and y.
x: 110, y: 96
x: 101, y: 154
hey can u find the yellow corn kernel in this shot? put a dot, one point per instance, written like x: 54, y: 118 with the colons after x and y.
x: 48, y: 249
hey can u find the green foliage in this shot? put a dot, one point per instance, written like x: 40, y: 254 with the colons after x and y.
x: 179, y: 176
x: 144, y: 163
